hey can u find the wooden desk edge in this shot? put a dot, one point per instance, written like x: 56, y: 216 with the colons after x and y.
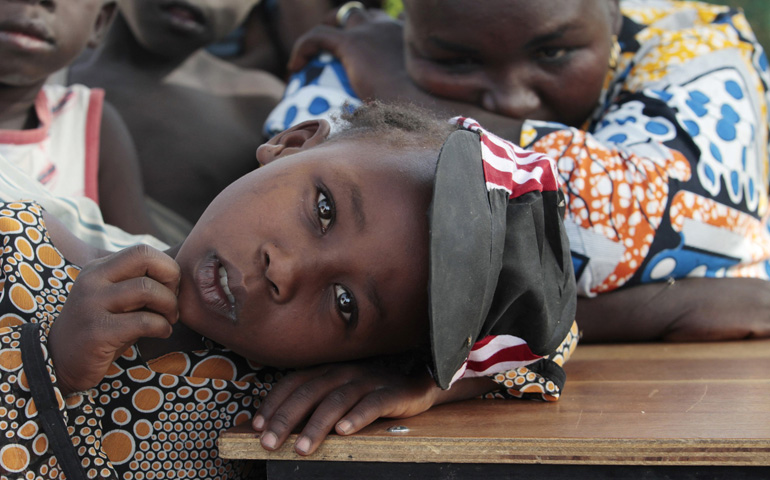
x: 744, y: 452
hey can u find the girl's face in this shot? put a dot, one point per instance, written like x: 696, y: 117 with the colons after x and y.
x: 525, y: 59
x: 317, y: 257
x: 180, y: 27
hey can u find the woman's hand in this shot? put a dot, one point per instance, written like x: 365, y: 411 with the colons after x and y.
x: 370, y: 47
x: 114, y: 301
x: 686, y: 310
x: 348, y: 397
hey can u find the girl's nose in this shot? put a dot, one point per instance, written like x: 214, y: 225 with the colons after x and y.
x: 285, y: 272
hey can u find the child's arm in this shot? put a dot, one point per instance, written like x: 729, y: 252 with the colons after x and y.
x: 121, y: 195
x: 348, y: 397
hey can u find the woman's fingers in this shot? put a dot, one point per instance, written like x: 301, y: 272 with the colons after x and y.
x: 320, y: 38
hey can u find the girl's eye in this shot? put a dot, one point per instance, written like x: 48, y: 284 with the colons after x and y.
x: 325, y: 209
x: 346, y: 303
x: 551, y: 53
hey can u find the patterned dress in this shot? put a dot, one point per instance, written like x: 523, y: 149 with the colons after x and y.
x: 145, y: 420
x: 156, y: 419
x: 669, y: 178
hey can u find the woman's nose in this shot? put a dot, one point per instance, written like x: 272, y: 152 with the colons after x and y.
x: 513, y: 98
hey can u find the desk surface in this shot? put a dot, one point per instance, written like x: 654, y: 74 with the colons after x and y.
x: 642, y: 404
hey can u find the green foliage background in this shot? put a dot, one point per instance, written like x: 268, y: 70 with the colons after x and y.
x: 758, y: 14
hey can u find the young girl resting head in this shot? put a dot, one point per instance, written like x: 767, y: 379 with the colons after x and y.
x: 399, y: 235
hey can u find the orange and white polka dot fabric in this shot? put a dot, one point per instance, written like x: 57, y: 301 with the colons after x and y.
x: 157, y: 420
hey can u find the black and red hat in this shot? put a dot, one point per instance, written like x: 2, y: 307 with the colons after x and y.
x: 502, y: 287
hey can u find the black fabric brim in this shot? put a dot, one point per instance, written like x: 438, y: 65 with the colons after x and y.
x: 460, y: 251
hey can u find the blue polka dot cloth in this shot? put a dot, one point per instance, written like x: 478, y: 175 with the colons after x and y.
x: 320, y: 90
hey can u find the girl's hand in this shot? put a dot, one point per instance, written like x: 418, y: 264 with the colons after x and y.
x: 348, y: 397
x: 345, y: 396
x: 114, y: 301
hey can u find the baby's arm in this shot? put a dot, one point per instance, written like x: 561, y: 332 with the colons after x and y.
x: 121, y: 195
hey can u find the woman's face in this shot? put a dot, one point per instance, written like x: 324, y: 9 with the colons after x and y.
x: 525, y: 59
x: 317, y: 257
x: 179, y: 27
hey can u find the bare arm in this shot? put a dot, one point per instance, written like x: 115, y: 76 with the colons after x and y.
x: 121, y: 195
x: 692, y: 309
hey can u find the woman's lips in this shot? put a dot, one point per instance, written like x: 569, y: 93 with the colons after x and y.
x: 213, y: 284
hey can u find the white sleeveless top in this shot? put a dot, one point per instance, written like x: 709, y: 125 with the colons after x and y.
x: 62, y: 153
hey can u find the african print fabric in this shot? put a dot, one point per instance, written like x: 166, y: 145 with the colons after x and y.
x: 145, y: 420
x: 669, y: 178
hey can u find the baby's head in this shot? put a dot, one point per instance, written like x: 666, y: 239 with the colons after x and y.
x: 38, y: 38
x: 323, y: 252
x: 177, y: 28
x: 543, y: 60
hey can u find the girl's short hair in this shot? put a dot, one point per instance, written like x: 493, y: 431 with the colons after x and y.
x: 402, y: 125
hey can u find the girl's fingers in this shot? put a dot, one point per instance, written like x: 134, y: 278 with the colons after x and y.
x: 373, y: 406
x: 141, y: 293
x: 129, y: 327
x: 329, y: 413
x: 280, y: 392
x: 293, y: 411
x: 140, y: 261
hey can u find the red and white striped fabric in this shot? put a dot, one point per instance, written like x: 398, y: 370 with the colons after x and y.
x: 510, y: 167
x: 517, y: 171
x: 494, y: 354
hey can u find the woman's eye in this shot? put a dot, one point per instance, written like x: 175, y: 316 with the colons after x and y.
x: 346, y: 303
x: 551, y: 53
x: 325, y: 210
x: 457, y: 63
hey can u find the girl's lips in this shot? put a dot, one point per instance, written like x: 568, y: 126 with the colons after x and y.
x: 213, y: 284
x: 26, y: 36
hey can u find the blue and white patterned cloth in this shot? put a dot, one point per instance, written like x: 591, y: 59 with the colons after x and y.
x: 320, y: 90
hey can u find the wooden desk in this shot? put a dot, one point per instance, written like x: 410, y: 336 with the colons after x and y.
x: 705, y: 404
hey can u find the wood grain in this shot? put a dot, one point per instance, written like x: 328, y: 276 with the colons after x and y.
x: 645, y: 404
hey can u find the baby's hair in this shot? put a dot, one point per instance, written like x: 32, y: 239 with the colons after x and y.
x: 398, y: 125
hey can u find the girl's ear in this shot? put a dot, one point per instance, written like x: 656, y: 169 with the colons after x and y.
x: 102, y: 24
x: 296, y: 139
